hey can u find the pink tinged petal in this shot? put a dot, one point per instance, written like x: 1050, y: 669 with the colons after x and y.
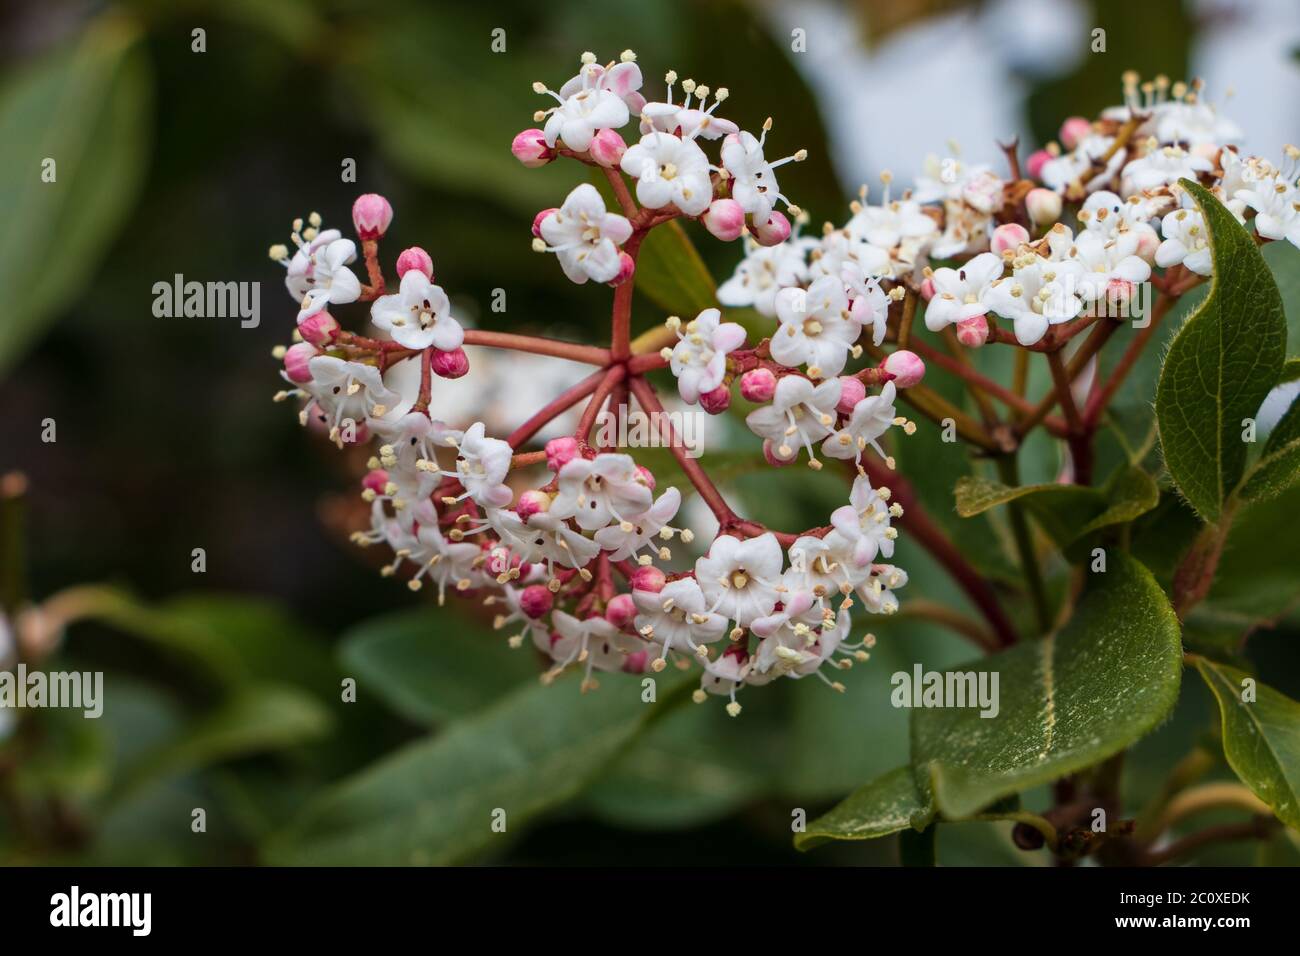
x: 728, y: 337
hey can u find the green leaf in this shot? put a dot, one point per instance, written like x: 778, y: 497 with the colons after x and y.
x: 431, y: 667
x: 1290, y: 371
x: 1278, y: 466
x: 257, y: 719
x: 1222, y: 363
x: 1261, y: 738
x: 433, y: 801
x: 671, y: 273
x: 1066, y: 702
x: 886, y: 805
x: 86, y: 108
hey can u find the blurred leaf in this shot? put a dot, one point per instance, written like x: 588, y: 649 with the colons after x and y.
x: 886, y: 805
x: 1278, y: 466
x: 433, y: 801
x: 671, y: 273
x: 86, y: 108
x: 1258, y: 577
x: 257, y: 719
x: 1067, y: 702
x: 1261, y: 738
x: 1284, y: 262
x: 1222, y: 363
x: 429, y: 666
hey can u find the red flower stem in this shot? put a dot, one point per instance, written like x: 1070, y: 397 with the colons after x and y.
x: 538, y: 345
x: 621, y: 335
x: 556, y: 407
x: 645, y: 395
x: 426, y: 381
x: 917, y: 523
x: 612, y: 376
x: 1013, y: 401
x: 621, y: 191
x: 647, y: 362
x: 1101, y: 397
x: 370, y: 250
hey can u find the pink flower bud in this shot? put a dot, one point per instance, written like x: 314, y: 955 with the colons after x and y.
x: 717, y: 401
x: 1148, y: 243
x: 536, y: 600
x: 1119, y: 293
x: 530, y: 148
x: 773, y: 232
x: 1008, y: 236
x: 296, y: 358
x: 561, y: 451
x: 973, y: 332
x: 1043, y: 206
x: 725, y: 219
x: 451, y: 364
x: 1034, y: 164
x: 852, y: 391
x: 318, y: 328
x: 647, y: 475
x: 372, y: 215
x: 1073, y: 131
x: 607, y: 148
x: 539, y: 218
x: 770, y: 455
x: 415, y: 258
x: 758, y: 385
x: 906, y: 367
x: 376, y: 480
x: 927, y: 289
x: 531, y: 502
x: 626, y: 266
x: 620, y: 610
x: 648, y: 578
x: 635, y: 662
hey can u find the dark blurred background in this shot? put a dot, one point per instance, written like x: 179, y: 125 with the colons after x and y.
x: 194, y: 163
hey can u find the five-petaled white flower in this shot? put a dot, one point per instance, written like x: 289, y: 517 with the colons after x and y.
x: 347, y: 390
x: 816, y: 328
x: 627, y: 538
x: 764, y: 272
x: 1162, y: 166
x: 318, y: 274
x: 595, y: 490
x: 1038, y: 293
x: 1186, y: 241
x: 870, y: 418
x: 753, y: 178
x: 800, y: 414
x: 588, y: 107
x: 740, y: 578
x: 677, y: 618
x: 585, y: 236
x: 863, y: 525
x: 962, y: 293
x: 481, y: 467
x: 669, y: 169
x: 699, y: 359
x: 418, y: 315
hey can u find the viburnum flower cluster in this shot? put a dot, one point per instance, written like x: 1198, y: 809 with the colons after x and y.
x: 574, y: 544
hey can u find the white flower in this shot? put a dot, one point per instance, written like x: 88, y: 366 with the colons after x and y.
x: 725, y: 676
x: 863, y: 524
x: 1195, y: 124
x: 626, y: 539
x: 889, y: 225
x: 699, y: 359
x: 868, y: 302
x: 1162, y: 166
x: 677, y: 618
x: 594, y: 641
x: 950, y: 178
x: 449, y: 563
x: 740, y: 578
x: 595, y: 490
x: 1186, y: 241
x: 800, y: 414
x: 815, y: 328
x: 1106, y: 261
x: 1038, y: 293
x: 669, y: 170
x: 839, y: 252
x: 764, y: 272
x: 622, y: 79
x: 962, y: 293
x: 418, y: 315
x: 753, y: 178
x: 966, y: 230
x: 347, y: 390
x: 582, y: 112
x: 481, y: 467
x: 798, y: 652
x: 817, y: 571
x: 1277, y: 209
x: 1064, y: 170
x: 585, y: 236
x: 318, y: 274
x: 543, y: 537
x: 687, y: 120
x: 871, y: 418
x: 877, y: 590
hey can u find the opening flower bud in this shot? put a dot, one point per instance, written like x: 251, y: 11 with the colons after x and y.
x: 296, y: 358
x: 529, y: 147
x: 717, y: 401
x: 1034, y: 164
x: 319, y: 328
x: 415, y: 258
x: 725, y: 219
x: 1043, y: 206
x: 607, y: 148
x: 626, y: 266
x: 451, y: 364
x: 973, y: 332
x: 372, y: 215
x: 648, y: 578
x: 621, y: 610
x: 647, y: 476
x: 531, y: 502
x: 539, y: 218
x: 1073, y: 131
x: 1008, y: 236
x: 536, y: 600
x: 907, y: 367
x: 758, y: 385
x: 773, y: 232
x: 561, y: 451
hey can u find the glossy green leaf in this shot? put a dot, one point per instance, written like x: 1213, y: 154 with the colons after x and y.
x: 1222, y: 363
x: 1261, y: 737
x: 886, y: 805
x: 433, y: 801
x: 85, y: 108
x: 430, y: 667
x: 1066, y: 702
